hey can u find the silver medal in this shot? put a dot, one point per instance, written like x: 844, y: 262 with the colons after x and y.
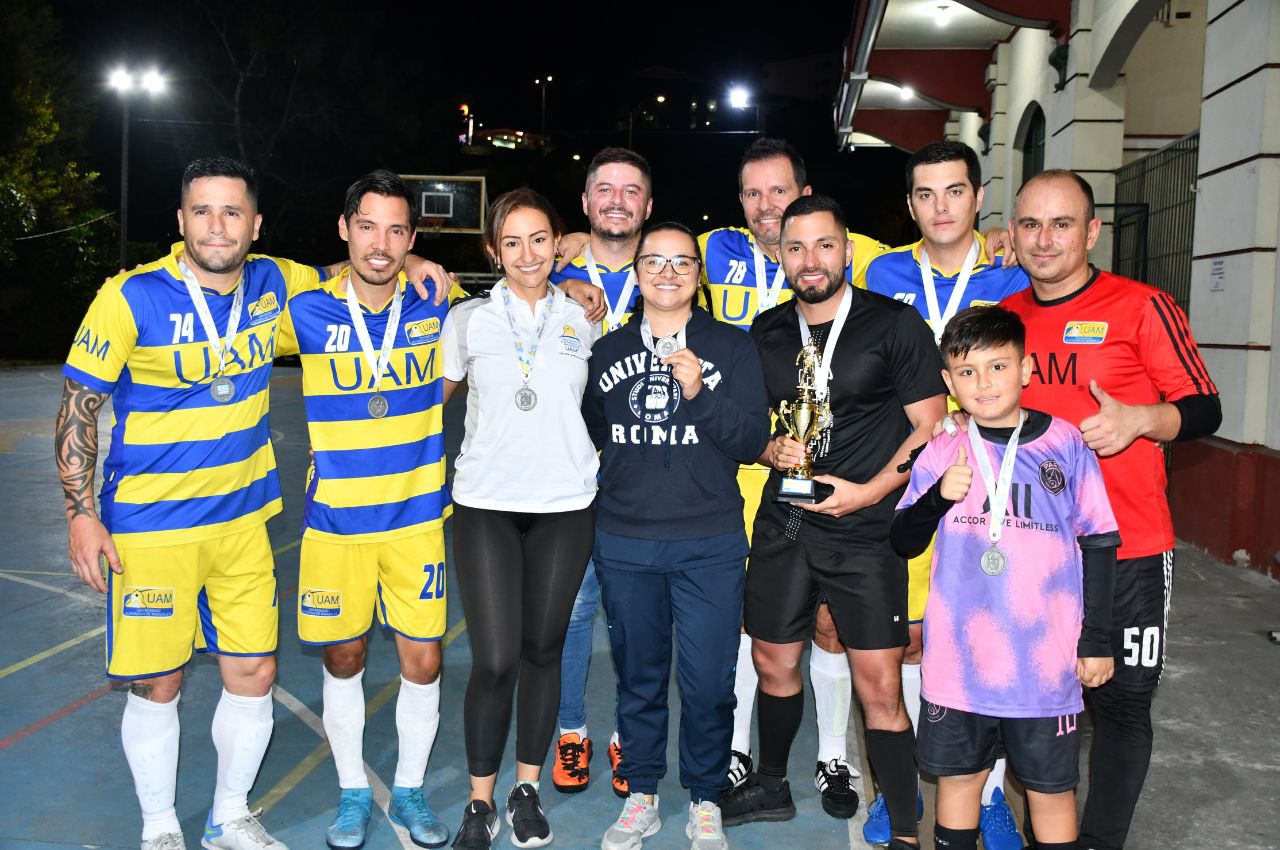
x: 665, y: 347
x: 223, y: 389
x: 378, y: 406
x: 993, y: 561
x: 526, y: 399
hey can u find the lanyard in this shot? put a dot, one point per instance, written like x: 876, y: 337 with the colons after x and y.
x: 937, y: 322
x: 997, y: 490
x: 664, y: 346
x: 526, y: 360
x: 220, y: 346
x: 614, y: 313
x: 766, y: 295
x: 378, y: 366
x: 822, y: 379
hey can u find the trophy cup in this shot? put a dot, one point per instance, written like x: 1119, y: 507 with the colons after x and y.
x: 803, y: 421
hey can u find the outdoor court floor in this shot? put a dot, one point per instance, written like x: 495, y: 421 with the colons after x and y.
x: 1215, y: 778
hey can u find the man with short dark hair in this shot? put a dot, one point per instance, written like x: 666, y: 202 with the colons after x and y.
x: 617, y: 200
x: 1117, y: 358
x: 884, y: 390
x: 373, y: 538
x: 943, y: 273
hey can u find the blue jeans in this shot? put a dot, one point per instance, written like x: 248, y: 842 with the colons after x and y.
x: 576, y: 657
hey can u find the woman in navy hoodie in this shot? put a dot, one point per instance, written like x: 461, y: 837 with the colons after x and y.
x: 675, y: 401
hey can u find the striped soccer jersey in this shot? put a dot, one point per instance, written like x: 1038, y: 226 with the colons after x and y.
x: 614, y: 280
x: 728, y: 270
x: 375, y: 479
x: 182, y: 466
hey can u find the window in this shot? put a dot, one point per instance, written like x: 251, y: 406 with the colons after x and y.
x: 1031, y: 141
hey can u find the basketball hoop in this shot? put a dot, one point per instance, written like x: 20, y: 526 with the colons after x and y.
x: 432, y: 224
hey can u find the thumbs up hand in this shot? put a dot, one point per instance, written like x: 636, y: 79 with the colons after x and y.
x: 1114, y: 426
x: 958, y: 478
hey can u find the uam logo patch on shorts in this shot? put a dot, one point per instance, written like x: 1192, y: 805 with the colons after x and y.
x: 1084, y: 333
x: 264, y: 309
x: 320, y: 603
x: 422, y: 331
x: 147, y: 602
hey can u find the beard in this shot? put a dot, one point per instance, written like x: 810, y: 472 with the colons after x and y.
x: 215, y: 263
x: 624, y: 230
x: 377, y: 278
x: 818, y: 294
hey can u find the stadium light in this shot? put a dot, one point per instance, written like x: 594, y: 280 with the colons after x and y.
x: 739, y: 97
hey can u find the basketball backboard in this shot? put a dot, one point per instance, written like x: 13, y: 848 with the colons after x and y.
x: 448, y: 204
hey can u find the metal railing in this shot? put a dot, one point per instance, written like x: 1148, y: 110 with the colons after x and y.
x: 1155, y: 217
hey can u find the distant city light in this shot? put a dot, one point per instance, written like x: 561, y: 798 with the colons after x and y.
x: 739, y: 97
x: 706, y: 217
x: 577, y: 157
x: 662, y: 98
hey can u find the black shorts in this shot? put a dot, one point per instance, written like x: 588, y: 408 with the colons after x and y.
x: 1043, y: 752
x: 786, y: 579
x: 1140, y: 620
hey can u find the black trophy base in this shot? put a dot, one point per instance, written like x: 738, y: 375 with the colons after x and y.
x: 802, y: 491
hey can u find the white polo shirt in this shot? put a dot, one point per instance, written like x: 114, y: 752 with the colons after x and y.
x: 534, y: 461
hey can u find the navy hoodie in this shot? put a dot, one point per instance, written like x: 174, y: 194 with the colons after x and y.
x: 669, y: 464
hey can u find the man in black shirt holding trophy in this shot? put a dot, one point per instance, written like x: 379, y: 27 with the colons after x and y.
x: 870, y: 392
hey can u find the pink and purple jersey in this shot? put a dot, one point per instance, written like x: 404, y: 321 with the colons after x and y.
x: 1005, y: 645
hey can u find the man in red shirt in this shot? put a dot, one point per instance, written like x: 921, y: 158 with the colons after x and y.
x: 1117, y: 358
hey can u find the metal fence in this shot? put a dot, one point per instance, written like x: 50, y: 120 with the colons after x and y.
x: 1155, y: 217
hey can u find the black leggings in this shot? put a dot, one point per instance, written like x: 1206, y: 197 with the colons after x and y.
x: 519, y: 574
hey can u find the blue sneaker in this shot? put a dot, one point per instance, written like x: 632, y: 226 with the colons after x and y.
x: 351, y: 826
x: 999, y: 829
x: 876, y: 829
x: 410, y: 810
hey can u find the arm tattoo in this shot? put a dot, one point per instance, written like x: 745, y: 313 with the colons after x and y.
x: 75, y: 445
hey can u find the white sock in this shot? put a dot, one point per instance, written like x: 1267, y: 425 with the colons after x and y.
x: 417, y: 721
x: 241, y: 732
x: 911, y: 692
x: 580, y: 731
x: 344, y: 727
x: 832, y: 691
x: 745, y: 682
x: 994, y: 780
x: 149, y: 732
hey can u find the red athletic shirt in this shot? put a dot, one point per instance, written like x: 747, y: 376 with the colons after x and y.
x: 1136, y: 343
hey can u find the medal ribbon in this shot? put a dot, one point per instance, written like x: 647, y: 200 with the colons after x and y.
x: 646, y: 333
x: 766, y: 295
x: 220, y: 346
x: 937, y: 322
x: 377, y: 366
x: 997, y: 490
x: 614, y: 313
x: 822, y: 379
x: 526, y: 360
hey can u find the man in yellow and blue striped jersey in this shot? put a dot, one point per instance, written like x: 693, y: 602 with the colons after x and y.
x: 373, y: 538
x: 949, y: 269
x: 184, y: 346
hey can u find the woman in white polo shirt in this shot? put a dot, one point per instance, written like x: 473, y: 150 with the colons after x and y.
x: 523, y: 490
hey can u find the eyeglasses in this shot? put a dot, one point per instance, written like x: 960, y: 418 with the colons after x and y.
x: 655, y: 263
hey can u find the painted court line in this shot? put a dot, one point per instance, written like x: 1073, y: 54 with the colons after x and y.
x: 52, y: 651
x: 313, y: 759
x: 98, y: 601
x: 48, y: 719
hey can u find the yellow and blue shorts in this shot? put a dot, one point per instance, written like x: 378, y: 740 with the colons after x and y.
x: 342, y: 586
x: 751, y: 481
x: 918, y: 584
x: 215, y: 595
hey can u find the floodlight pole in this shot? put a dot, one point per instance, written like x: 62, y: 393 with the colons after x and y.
x: 124, y: 181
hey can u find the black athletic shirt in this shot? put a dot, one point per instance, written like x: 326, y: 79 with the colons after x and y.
x: 886, y: 358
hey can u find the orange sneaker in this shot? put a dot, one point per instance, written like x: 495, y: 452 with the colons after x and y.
x: 571, y: 772
x: 615, y: 758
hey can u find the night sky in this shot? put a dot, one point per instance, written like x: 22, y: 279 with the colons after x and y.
x: 329, y: 90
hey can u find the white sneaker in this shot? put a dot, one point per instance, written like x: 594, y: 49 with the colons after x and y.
x: 705, y: 828
x: 244, y: 833
x: 165, y: 841
x: 638, y: 821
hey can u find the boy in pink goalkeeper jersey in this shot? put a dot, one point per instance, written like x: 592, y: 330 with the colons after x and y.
x: 1019, y: 611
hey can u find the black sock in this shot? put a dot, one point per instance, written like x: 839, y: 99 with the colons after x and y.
x: 779, y: 719
x: 893, y: 758
x: 1064, y: 845
x: 945, y: 838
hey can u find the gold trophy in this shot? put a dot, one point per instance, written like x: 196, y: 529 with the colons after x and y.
x: 803, y: 421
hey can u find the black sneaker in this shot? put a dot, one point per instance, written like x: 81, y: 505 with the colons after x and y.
x: 479, y: 827
x: 834, y: 780
x: 529, y: 827
x: 751, y: 801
